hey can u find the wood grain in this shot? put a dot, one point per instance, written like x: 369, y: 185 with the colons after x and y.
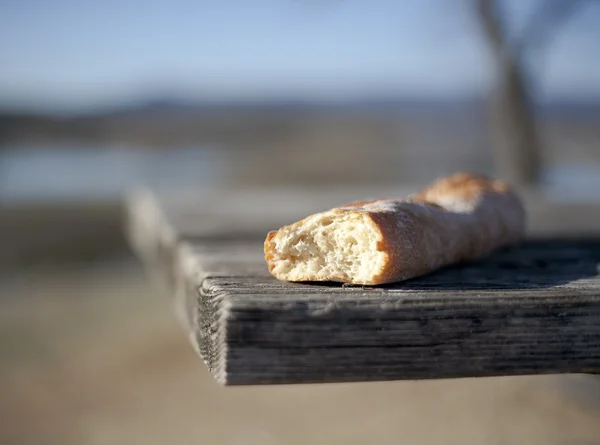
x: 529, y: 309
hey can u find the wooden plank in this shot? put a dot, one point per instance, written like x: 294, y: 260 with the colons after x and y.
x: 529, y: 309
x: 532, y: 309
x: 252, y: 213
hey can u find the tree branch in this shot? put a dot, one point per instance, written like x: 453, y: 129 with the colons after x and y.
x: 544, y: 24
x: 492, y: 25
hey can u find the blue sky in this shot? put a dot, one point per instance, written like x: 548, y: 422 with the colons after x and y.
x: 81, y: 54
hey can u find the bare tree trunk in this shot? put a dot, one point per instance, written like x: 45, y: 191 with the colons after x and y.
x: 515, y: 141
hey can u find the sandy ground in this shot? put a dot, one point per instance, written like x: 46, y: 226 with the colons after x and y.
x: 94, y: 355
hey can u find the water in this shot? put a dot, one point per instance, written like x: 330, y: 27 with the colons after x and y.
x: 76, y: 172
x: 69, y: 172
x: 573, y: 182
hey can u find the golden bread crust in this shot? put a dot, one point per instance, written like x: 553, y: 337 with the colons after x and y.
x: 457, y: 218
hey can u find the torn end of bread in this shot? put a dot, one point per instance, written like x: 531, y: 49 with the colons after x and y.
x: 338, y: 245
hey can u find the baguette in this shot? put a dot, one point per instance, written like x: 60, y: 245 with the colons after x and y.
x: 457, y: 218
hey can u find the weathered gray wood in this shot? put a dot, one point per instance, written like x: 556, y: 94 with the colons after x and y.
x: 250, y: 213
x: 529, y: 309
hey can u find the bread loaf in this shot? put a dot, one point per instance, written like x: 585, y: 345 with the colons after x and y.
x: 457, y: 218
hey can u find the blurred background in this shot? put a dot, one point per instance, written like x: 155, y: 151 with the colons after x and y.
x: 100, y: 97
